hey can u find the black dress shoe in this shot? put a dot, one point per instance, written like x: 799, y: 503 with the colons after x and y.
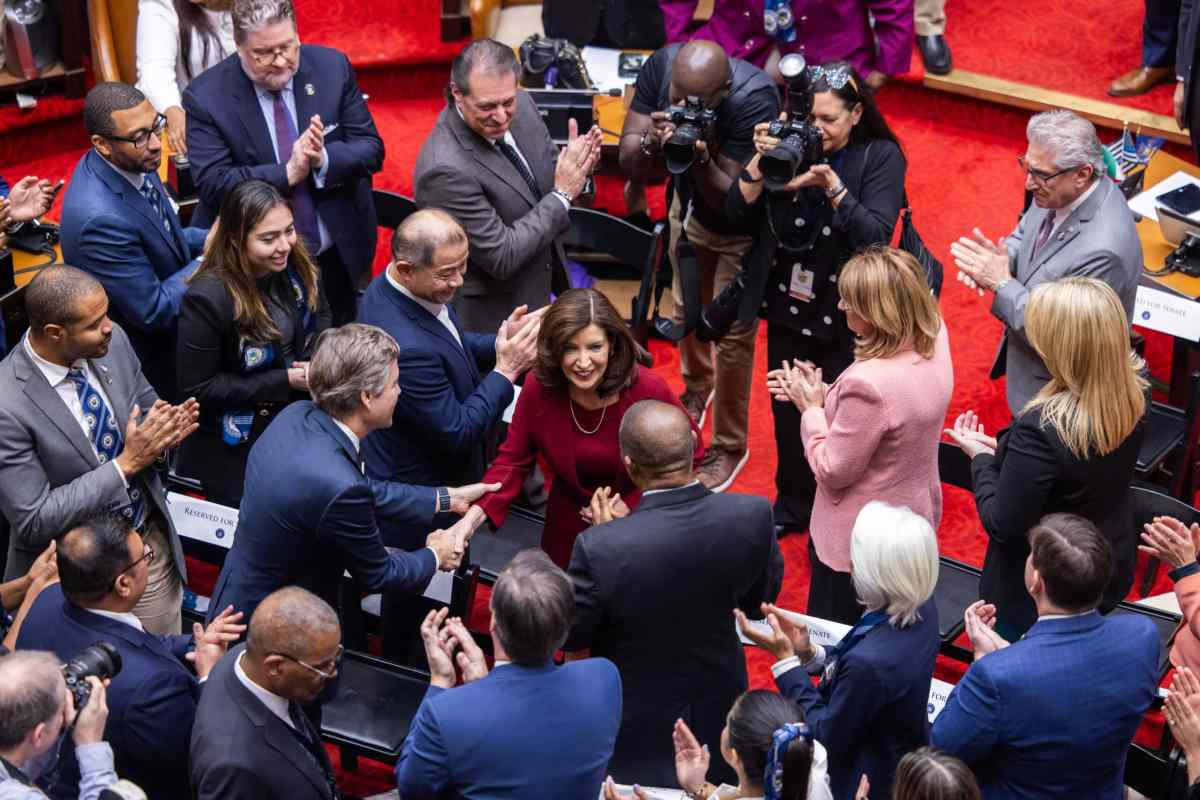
x: 935, y: 53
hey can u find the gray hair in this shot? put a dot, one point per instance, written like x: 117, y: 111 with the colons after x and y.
x: 418, y: 238
x: 31, y: 692
x: 1070, y: 137
x: 252, y: 15
x: 486, y: 56
x: 533, y: 606
x: 893, y: 561
x: 350, y: 360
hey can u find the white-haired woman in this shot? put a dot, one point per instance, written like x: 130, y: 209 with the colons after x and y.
x: 870, y: 707
x: 1071, y: 449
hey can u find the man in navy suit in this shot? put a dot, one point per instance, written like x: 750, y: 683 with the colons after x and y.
x: 1052, y: 715
x: 291, y: 115
x: 119, y: 224
x: 309, y: 513
x: 103, y: 567
x: 528, y: 730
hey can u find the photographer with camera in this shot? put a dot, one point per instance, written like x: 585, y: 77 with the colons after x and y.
x: 36, y: 713
x: 814, y: 205
x: 693, y: 112
x: 103, y: 566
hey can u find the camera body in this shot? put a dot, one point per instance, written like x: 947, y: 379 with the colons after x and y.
x: 692, y: 123
x: 799, y: 147
x: 101, y: 660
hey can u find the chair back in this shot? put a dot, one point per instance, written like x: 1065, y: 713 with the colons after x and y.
x: 1148, y: 504
x: 954, y: 467
x: 113, y: 26
x: 392, y: 208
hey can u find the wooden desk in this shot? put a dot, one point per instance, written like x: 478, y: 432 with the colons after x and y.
x: 26, y: 265
x: 1155, y: 248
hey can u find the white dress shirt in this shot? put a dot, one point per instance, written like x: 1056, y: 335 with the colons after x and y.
x: 437, y: 310
x: 162, y: 76
x: 267, y: 103
x: 120, y: 616
x: 275, y: 704
x: 56, y: 376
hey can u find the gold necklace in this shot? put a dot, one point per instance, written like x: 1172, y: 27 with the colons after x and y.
x: 584, y: 431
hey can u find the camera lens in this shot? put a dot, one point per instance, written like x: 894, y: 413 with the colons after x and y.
x: 680, y: 150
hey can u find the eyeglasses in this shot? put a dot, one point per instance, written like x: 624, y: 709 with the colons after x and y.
x: 1039, y: 177
x: 142, y: 137
x: 326, y: 674
x: 265, y: 57
x: 147, y: 555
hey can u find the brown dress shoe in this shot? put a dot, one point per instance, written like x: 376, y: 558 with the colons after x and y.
x: 720, y: 467
x: 696, y: 405
x: 1140, y: 81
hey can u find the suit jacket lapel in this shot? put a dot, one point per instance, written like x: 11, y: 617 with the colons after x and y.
x: 134, y: 199
x: 1069, y: 229
x: 46, y: 398
x: 306, y: 103
x: 245, y: 100
x: 487, y: 155
x: 434, y: 327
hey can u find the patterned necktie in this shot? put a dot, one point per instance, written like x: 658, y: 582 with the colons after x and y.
x: 1043, y: 235
x: 312, y: 745
x: 154, y: 198
x: 510, y: 153
x: 303, y: 209
x: 105, y: 436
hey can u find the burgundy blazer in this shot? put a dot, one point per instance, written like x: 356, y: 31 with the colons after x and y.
x: 542, y: 427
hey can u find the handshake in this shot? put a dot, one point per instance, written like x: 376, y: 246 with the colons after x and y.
x: 450, y: 544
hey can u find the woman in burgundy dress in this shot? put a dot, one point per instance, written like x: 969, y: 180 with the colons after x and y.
x: 569, y: 413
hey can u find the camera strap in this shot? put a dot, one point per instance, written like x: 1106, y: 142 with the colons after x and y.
x: 689, y: 281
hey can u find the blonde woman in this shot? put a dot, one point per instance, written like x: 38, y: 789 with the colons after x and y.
x: 873, y: 434
x: 1071, y: 449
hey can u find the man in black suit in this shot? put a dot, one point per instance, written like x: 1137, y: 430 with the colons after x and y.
x: 103, y: 568
x: 293, y: 116
x: 655, y: 593
x: 251, y: 739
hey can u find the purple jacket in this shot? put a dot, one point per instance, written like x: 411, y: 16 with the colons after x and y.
x: 826, y: 30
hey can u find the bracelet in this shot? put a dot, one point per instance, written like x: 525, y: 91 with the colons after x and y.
x: 646, y: 151
x: 745, y: 177
x: 835, y: 191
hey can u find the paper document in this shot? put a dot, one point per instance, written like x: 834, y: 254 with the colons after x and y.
x: 822, y: 631
x: 602, y: 65
x: 1144, y: 203
x: 202, y: 520
x: 651, y: 792
x: 1167, y: 313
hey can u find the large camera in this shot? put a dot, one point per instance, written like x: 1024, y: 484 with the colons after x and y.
x: 799, y: 147
x: 692, y: 122
x: 718, y: 316
x: 101, y: 660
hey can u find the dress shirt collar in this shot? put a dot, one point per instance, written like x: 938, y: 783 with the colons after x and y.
x: 349, y: 433
x: 1061, y: 214
x: 136, y: 179
x: 120, y: 616
x: 507, y: 137
x: 649, y: 492
x: 54, y: 373
x: 435, y: 309
x: 275, y: 704
x: 1044, y: 617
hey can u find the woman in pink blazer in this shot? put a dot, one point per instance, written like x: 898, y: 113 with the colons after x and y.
x: 873, y: 434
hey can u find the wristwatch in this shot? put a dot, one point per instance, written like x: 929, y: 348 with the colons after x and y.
x: 443, y: 500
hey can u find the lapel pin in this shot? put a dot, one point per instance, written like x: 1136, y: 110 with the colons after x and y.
x: 309, y: 90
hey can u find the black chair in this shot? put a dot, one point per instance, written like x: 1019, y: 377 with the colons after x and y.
x: 957, y: 587
x: 954, y: 467
x: 1168, y: 451
x: 1157, y: 775
x: 1148, y: 504
x: 391, y: 209
x: 617, y: 241
x: 521, y: 530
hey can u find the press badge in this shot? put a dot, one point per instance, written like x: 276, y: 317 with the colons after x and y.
x: 802, y: 283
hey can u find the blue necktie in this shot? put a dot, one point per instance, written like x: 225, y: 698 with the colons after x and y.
x: 105, y: 436
x: 154, y: 198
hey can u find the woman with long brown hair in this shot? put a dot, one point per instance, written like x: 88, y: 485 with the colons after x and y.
x: 246, y: 327
x: 1072, y: 448
x: 568, y: 414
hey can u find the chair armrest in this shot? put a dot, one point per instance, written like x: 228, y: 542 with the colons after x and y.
x: 104, y: 51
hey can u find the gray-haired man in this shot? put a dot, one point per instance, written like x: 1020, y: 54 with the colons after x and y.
x: 1078, y: 224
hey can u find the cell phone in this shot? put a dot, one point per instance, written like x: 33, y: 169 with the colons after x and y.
x: 1184, y: 200
x: 58, y: 187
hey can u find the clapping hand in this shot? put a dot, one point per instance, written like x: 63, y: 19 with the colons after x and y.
x: 605, y: 507
x: 1180, y: 711
x: 212, y: 642
x: 799, y: 383
x: 968, y: 434
x: 980, y: 619
x: 577, y: 160
x: 983, y: 264
x: 469, y: 656
x: 691, y: 760
x: 1169, y: 540
x: 442, y: 636
x: 864, y: 788
x: 611, y: 793
x: 787, y: 638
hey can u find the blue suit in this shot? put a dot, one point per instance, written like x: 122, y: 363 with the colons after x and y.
x: 151, y: 702
x: 308, y: 514
x: 143, y: 260
x: 228, y: 142
x: 874, y: 709
x: 522, y: 733
x: 447, y: 405
x: 1053, y: 714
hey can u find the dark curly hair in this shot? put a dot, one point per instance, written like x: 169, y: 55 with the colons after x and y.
x: 573, y: 311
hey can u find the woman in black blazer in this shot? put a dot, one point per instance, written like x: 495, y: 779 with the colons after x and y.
x: 808, y: 228
x: 1072, y: 449
x: 246, y: 327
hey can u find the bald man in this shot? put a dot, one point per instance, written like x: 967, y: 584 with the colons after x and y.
x: 655, y: 593
x: 250, y: 738
x: 455, y: 384
x: 740, y: 95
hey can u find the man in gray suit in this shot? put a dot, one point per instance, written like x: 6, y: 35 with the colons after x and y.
x: 491, y: 163
x: 80, y: 432
x: 1078, y: 224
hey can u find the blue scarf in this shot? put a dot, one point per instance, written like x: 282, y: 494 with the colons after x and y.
x: 782, y: 739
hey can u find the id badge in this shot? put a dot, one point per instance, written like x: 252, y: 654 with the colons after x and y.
x: 801, y: 287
